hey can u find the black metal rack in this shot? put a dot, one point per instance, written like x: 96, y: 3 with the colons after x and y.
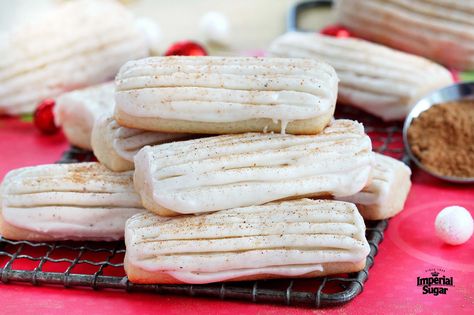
x: 100, y: 265
x: 341, y: 289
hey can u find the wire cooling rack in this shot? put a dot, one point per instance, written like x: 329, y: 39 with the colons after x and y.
x: 99, y: 265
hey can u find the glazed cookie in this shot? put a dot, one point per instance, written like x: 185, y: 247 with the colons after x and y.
x: 221, y: 95
x: 76, y: 44
x: 83, y: 201
x: 115, y: 146
x: 385, y: 195
x: 377, y: 79
x: 78, y: 110
x: 442, y: 30
x: 296, y: 239
x: 230, y: 171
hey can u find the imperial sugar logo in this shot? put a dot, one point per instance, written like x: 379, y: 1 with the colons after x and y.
x: 435, y: 282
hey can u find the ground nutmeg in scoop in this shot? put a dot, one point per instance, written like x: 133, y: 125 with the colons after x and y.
x: 442, y: 138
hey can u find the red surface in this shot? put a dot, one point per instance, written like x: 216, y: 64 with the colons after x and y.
x: 409, y: 249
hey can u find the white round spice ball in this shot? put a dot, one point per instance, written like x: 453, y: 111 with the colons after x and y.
x: 454, y: 225
x: 152, y: 33
x: 214, y: 27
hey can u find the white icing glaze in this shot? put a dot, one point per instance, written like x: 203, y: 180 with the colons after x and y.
x: 380, y: 80
x: 127, y: 141
x: 295, y: 239
x: 77, y: 112
x: 284, y: 124
x: 230, y: 171
x: 71, y: 201
x: 83, y: 107
x: 72, y: 223
x: 384, y: 176
x: 226, y: 89
x: 286, y: 271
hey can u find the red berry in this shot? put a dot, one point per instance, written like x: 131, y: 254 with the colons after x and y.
x: 44, y: 117
x: 343, y: 33
x: 186, y: 48
x: 336, y: 30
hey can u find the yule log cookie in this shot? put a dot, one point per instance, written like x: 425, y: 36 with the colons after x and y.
x: 115, y: 146
x: 83, y: 201
x: 442, y: 30
x: 302, y: 238
x: 385, y: 195
x: 230, y: 171
x: 74, y: 45
x: 375, y: 78
x: 78, y: 110
x: 220, y: 95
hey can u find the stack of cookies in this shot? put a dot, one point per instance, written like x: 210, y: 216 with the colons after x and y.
x: 227, y: 168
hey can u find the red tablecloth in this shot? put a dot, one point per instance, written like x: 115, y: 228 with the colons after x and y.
x: 409, y: 250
